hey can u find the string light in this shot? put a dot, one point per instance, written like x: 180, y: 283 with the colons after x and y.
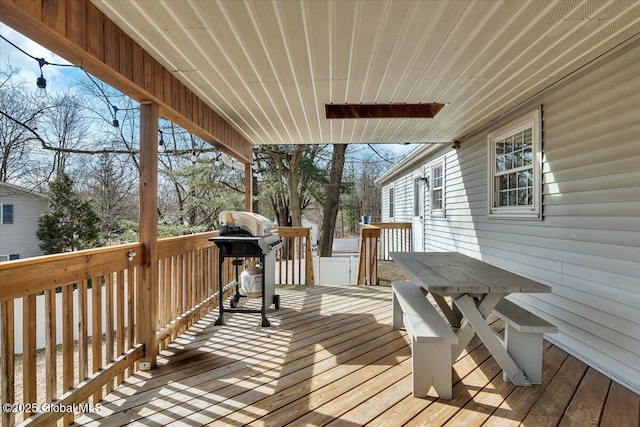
x: 161, y: 142
x: 41, y: 92
x: 41, y: 82
x: 115, y: 123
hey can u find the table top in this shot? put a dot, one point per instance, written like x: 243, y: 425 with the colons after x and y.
x: 455, y: 273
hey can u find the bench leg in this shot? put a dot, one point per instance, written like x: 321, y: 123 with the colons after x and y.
x: 396, y: 312
x: 526, y: 350
x: 431, y: 367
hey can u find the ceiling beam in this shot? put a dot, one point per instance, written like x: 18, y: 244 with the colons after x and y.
x: 79, y: 32
x: 382, y: 111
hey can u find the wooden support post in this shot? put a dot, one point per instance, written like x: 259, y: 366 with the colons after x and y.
x: 248, y: 188
x: 147, y: 298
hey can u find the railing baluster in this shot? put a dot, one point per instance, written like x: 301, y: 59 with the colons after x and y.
x: 96, y: 337
x: 29, y: 391
x: 180, y: 284
x: 109, y: 318
x: 189, y: 284
x: 120, y: 319
x: 166, y: 281
x: 133, y: 274
x: 68, y: 353
x: 7, y: 361
x: 50, y: 344
x: 83, y: 332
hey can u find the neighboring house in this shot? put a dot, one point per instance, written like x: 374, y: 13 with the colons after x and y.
x: 20, y: 210
x: 551, y: 191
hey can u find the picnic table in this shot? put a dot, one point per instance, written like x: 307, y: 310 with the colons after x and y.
x: 474, y: 288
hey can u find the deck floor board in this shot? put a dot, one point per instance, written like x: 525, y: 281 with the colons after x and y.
x: 331, y: 358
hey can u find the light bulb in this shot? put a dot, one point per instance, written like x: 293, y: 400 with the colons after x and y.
x: 41, y: 82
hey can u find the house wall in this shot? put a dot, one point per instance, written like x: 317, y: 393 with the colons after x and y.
x: 587, y: 247
x: 20, y: 237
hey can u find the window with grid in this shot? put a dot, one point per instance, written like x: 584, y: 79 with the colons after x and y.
x: 514, y: 168
x: 437, y: 189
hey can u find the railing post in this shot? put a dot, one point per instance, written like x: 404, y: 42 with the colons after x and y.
x: 147, y: 298
x: 368, y: 256
x: 309, y: 279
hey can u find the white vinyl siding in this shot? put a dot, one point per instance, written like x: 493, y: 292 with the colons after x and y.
x: 19, y: 238
x: 587, y: 246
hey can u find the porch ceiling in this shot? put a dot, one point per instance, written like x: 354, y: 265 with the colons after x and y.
x: 269, y: 67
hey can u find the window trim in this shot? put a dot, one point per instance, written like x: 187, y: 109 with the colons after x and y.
x: 391, y: 202
x: 437, y: 213
x: 531, y: 120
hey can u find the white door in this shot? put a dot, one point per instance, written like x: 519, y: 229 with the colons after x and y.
x: 417, y: 228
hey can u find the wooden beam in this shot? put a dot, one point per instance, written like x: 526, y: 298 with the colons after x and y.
x: 381, y: 111
x: 78, y: 31
x: 147, y: 298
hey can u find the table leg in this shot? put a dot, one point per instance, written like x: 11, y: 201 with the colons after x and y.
x: 475, y: 316
x: 447, y: 310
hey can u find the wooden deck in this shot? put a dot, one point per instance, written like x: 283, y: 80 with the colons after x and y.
x: 331, y: 358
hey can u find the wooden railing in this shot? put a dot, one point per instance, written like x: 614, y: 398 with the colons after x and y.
x: 94, y: 293
x: 376, y: 241
x: 93, y: 281
x: 91, y: 310
x: 188, y: 269
x: 295, y: 259
x: 394, y: 237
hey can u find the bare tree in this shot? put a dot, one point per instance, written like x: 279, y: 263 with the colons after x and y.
x: 113, y: 188
x: 15, y: 139
x: 65, y: 129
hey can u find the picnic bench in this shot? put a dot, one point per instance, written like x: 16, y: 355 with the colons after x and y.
x: 523, y: 337
x: 431, y: 340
